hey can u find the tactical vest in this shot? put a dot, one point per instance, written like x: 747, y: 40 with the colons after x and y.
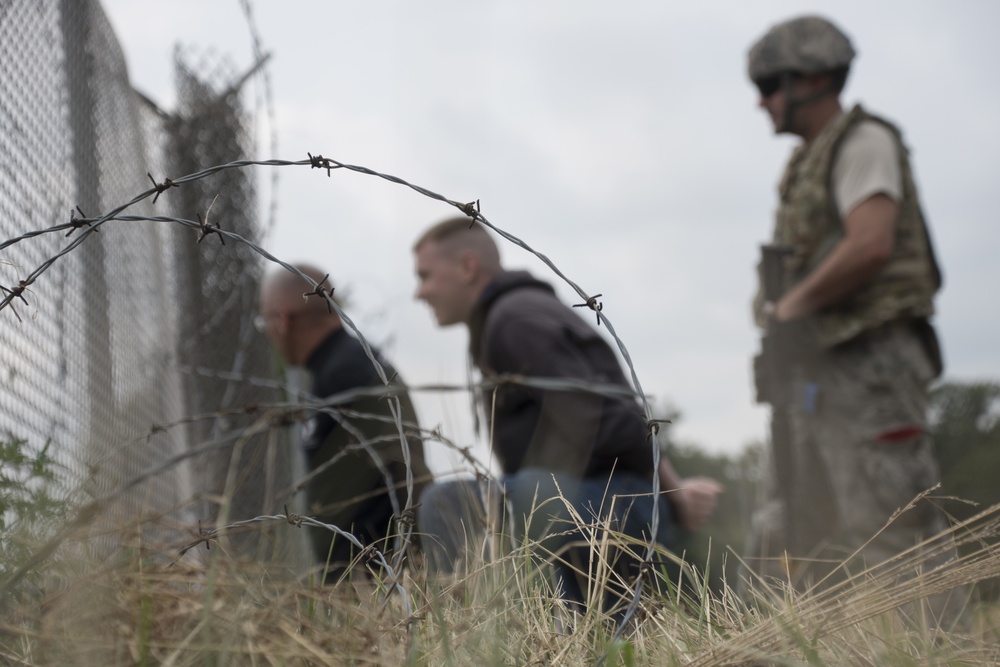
x: 809, y: 223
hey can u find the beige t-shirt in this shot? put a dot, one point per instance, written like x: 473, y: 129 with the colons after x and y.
x: 867, y: 164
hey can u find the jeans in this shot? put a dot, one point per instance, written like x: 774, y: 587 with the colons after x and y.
x: 554, y: 511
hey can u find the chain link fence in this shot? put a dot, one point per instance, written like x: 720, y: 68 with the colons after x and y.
x: 131, y: 349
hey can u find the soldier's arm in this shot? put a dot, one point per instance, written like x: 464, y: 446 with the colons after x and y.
x: 869, y: 238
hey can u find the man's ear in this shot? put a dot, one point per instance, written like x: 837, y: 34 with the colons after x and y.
x: 469, y: 266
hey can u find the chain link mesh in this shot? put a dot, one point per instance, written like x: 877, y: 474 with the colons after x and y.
x: 98, y: 361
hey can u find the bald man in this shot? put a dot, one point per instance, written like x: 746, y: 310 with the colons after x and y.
x: 353, y: 493
x: 583, y: 447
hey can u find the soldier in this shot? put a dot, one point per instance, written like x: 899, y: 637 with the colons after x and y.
x: 849, y: 351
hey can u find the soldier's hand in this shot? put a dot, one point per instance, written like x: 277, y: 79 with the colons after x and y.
x: 695, y: 501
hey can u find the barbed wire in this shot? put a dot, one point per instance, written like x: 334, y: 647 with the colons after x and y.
x: 284, y: 413
x: 91, y: 509
x: 256, y: 44
x: 364, y: 550
x: 88, y: 226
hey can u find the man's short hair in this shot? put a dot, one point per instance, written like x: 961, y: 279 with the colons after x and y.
x: 449, y: 229
x: 462, y: 233
x: 289, y: 288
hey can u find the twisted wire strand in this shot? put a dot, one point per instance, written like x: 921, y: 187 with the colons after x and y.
x: 88, y: 226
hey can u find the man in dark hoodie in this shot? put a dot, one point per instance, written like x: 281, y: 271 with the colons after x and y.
x: 348, y: 488
x: 562, y: 452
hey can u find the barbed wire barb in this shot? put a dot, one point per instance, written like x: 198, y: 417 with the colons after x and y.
x: 594, y: 305
x: 76, y: 223
x: 16, y: 292
x: 320, y: 162
x: 322, y: 293
x: 472, y: 210
x: 160, y: 188
x: 207, y: 229
x: 653, y: 426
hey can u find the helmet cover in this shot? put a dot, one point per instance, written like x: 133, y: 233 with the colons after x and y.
x: 805, y: 45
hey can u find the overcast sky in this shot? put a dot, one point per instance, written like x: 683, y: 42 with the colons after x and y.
x: 621, y: 139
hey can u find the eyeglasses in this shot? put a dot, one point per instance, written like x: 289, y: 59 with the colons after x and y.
x: 260, y: 322
x: 769, y: 85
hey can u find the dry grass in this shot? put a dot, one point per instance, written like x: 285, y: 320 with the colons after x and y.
x: 211, y: 608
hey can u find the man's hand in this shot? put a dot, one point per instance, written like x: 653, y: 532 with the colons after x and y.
x: 694, y: 500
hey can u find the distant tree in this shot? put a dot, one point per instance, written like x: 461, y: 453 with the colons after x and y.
x: 713, y: 551
x: 965, y: 424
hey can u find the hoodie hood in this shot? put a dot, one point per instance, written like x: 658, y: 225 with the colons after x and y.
x: 506, y: 282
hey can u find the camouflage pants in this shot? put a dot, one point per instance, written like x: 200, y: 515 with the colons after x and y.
x: 856, y: 454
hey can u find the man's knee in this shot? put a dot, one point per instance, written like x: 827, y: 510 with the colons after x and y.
x: 449, y: 516
x: 441, y: 495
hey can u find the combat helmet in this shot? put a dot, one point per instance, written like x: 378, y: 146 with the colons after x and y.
x: 804, y: 45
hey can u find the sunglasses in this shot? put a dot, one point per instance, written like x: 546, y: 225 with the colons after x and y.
x: 768, y: 86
